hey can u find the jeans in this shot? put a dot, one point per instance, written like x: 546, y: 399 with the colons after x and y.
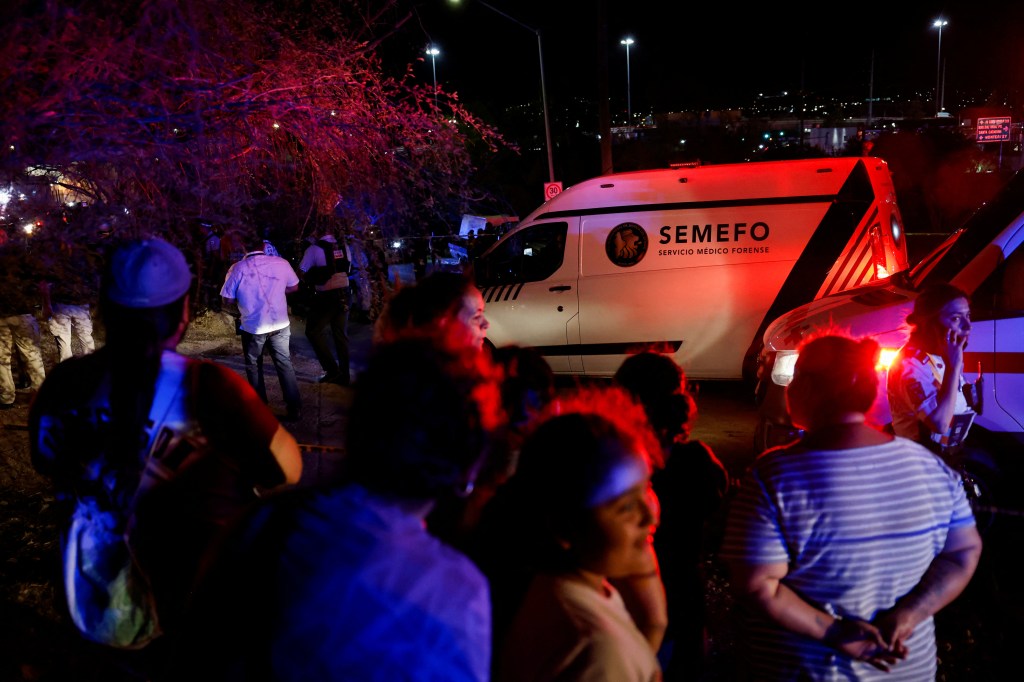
x: 329, y: 309
x: 280, y: 354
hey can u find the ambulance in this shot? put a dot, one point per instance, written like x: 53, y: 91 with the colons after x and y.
x: 985, y: 258
x: 691, y: 261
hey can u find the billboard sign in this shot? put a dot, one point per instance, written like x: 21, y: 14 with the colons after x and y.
x: 994, y: 129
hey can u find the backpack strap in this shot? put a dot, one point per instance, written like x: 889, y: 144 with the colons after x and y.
x: 175, y: 374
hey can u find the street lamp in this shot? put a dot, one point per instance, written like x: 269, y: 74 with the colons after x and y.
x: 543, y: 89
x: 938, y: 23
x: 433, y: 52
x: 629, y: 90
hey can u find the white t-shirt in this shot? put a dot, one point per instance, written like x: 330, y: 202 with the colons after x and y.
x: 568, y: 630
x: 259, y: 284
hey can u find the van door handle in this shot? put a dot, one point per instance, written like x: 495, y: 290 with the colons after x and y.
x: 564, y: 287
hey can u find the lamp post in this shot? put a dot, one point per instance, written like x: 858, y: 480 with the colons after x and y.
x: 433, y: 52
x: 938, y: 23
x: 629, y: 90
x: 543, y: 89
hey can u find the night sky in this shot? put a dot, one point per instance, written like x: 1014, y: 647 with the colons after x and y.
x: 691, y: 55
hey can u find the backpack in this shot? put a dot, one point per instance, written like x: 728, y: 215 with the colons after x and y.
x: 109, y: 596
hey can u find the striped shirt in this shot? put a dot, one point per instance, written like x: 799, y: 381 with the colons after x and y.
x: 858, y: 529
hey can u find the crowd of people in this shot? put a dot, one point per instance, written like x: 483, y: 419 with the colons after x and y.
x: 488, y: 522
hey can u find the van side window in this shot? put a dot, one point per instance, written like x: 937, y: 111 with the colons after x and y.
x: 1011, y: 293
x: 530, y: 255
x: 1003, y: 291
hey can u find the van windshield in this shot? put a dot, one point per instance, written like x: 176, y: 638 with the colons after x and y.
x: 949, y: 257
x: 527, y: 255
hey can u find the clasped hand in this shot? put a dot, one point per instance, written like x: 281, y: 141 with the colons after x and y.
x: 863, y: 641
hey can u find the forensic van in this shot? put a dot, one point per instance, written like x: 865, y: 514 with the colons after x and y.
x: 691, y: 261
x: 985, y: 258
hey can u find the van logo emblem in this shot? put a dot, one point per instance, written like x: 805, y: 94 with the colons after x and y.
x: 626, y: 245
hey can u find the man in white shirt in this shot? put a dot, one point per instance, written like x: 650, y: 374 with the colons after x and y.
x: 325, y: 265
x: 258, y: 285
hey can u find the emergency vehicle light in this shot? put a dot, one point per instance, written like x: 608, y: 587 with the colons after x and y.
x: 885, y: 358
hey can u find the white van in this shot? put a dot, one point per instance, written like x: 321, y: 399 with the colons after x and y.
x: 691, y: 261
x: 985, y: 258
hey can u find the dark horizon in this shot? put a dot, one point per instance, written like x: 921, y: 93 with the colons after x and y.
x: 707, y: 57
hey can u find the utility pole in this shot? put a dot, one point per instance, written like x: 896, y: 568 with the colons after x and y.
x: 543, y: 88
x: 871, y: 88
x: 604, y: 117
x: 938, y: 23
x: 629, y: 86
x: 433, y: 52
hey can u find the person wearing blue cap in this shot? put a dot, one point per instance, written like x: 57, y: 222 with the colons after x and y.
x: 135, y: 420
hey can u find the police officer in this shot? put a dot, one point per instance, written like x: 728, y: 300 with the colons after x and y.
x: 325, y: 266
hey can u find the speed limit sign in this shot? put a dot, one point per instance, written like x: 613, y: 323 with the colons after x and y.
x: 552, y: 189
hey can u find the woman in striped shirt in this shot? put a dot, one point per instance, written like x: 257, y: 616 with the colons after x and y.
x: 843, y: 545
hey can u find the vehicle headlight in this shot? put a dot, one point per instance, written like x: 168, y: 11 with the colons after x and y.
x: 782, y: 370
x: 785, y: 363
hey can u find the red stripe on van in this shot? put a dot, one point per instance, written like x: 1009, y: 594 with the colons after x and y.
x: 993, y: 363
x: 851, y: 262
x: 854, y: 268
x: 862, y: 267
